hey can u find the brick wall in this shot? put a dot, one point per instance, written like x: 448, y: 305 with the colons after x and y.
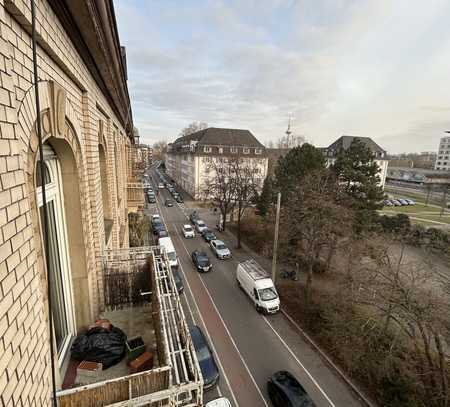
x: 24, y: 343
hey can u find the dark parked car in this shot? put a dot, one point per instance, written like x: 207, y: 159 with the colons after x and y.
x: 151, y: 199
x: 178, y: 280
x: 201, y: 261
x: 157, y: 226
x: 193, y: 217
x: 208, y: 366
x: 208, y: 235
x: 179, y: 198
x: 162, y: 233
x: 169, y: 203
x: 285, y: 391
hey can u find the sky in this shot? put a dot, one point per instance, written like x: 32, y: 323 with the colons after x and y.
x: 374, y: 68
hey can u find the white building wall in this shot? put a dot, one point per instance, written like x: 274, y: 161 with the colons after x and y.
x: 443, y: 156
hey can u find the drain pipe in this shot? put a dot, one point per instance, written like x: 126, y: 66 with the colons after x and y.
x: 44, y: 199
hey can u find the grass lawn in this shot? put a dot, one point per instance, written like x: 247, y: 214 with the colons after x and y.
x: 436, y: 218
x: 417, y: 208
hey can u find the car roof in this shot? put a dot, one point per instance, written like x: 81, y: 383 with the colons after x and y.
x: 187, y: 226
x: 200, y: 253
x: 291, y: 386
x: 220, y: 402
x: 197, y: 336
x: 217, y: 241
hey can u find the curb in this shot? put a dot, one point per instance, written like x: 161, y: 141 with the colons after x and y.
x: 329, y: 361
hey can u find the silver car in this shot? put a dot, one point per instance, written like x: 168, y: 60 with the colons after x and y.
x: 220, y: 249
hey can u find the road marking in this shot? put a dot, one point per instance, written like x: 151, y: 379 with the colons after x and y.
x: 298, y: 361
x: 228, y: 332
x: 200, y: 315
x: 209, y: 337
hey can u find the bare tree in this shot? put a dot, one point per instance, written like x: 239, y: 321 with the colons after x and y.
x: 404, y: 296
x: 219, y: 186
x: 312, y: 218
x: 247, y: 184
x: 193, y: 127
x: 159, y: 149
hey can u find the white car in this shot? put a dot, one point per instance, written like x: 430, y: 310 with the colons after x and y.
x: 161, y: 185
x: 188, y: 231
x: 221, y: 402
x: 200, y: 226
x: 220, y: 250
x: 155, y: 216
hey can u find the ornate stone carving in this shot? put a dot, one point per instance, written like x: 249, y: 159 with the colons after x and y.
x: 58, y: 98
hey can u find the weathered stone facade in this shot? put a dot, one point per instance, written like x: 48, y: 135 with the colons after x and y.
x: 91, y: 143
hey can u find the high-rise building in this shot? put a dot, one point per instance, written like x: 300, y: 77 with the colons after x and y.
x: 443, y: 157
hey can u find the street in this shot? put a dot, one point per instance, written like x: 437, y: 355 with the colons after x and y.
x: 248, y: 346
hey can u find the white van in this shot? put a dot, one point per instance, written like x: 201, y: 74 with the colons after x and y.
x: 166, y: 242
x: 258, y: 285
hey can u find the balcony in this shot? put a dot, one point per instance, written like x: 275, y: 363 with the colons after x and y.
x: 135, y: 195
x: 140, y: 297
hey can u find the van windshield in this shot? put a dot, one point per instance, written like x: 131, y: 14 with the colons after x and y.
x: 172, y: 256
x: 267, y: 294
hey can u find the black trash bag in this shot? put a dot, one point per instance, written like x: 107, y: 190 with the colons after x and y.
x: 100, y: 345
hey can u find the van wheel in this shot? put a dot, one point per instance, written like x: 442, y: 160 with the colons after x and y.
x: 238, y: 284
x: 258, y: 309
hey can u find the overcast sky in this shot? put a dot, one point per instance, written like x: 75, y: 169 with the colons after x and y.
x: 376, y: 68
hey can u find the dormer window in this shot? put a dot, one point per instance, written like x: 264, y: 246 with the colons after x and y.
x: 246, y: 150
x: 258, y: 151
x: 234, y: 150
x: 220, y: 150
x: 207, y: 149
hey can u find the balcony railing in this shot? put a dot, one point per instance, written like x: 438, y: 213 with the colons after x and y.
x: 177, y: 380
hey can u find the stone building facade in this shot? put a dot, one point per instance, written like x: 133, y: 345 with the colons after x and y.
x: 86, y: 125
x: 188, y: 159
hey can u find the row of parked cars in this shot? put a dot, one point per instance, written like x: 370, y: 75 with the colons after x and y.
x: 399, y: 202
x: 283, y: 388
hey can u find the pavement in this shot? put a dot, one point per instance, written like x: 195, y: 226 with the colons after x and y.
x: 247, y: 346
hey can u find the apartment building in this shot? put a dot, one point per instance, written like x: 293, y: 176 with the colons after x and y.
x: 443, y: 156
x: 343, y: 143
x: 188, y: 158
x: 87, y: 134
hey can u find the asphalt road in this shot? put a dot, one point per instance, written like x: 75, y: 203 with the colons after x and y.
x: 248, y: 347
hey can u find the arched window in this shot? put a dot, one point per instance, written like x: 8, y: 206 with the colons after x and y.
x: 59, y: 268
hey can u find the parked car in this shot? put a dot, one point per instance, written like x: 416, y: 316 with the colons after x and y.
x: 193, y: 217
x: 178, y: 280
x: 220, y: 402
x: 152, y: 199
x: 157, y: 227
x: 258, y: 285
x: 403, y: 202
x: 200, y: 226
x: 161, y: 233
x: 410, y: 201
x: 155, y: 216
x: 387, y: 202
x: 179, y: 198
x: 201, y: 261
x: 161, y: 185
x: 208, y: 366
x: 220, y: 249
x: 285, y: 391
x: 208, y: 235
x: 396, y: 202
x: 168, y: 203
x: 188, y: 231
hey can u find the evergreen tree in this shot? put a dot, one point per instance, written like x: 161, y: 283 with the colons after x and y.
x: 358, y: 174
x: 266, y: 197
x: 294, y: 166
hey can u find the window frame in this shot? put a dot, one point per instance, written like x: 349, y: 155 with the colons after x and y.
x: 54, y: 193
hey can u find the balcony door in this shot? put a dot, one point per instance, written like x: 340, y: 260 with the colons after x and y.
x: 59, y: 268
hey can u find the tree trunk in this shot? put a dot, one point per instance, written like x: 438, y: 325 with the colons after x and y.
x: 239, y: 226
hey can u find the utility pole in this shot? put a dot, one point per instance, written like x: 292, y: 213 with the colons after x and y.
x: 275, y: 240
